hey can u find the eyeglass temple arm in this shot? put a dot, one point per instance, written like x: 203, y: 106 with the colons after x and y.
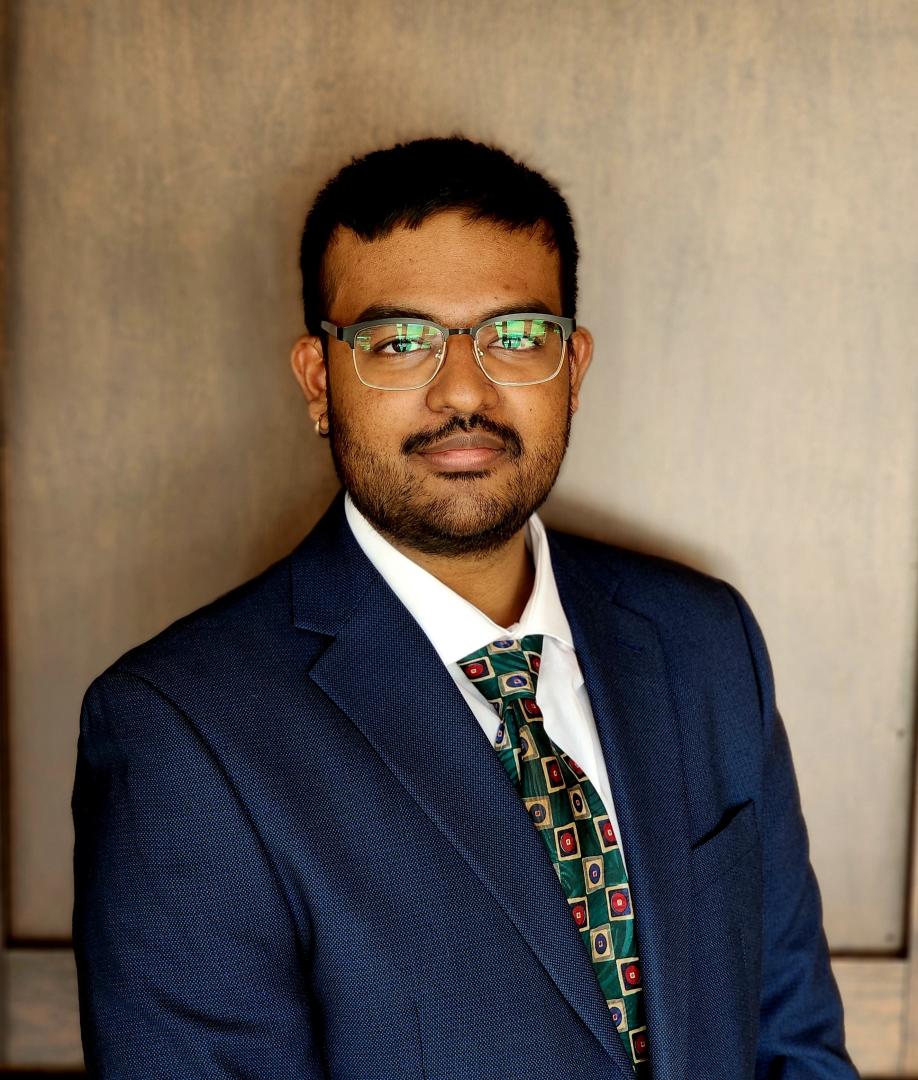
x: 332, y: 328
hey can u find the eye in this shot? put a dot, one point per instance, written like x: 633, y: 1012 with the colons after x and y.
x: 515, y: 335
x: 399, y: 346
x: 516, y: 341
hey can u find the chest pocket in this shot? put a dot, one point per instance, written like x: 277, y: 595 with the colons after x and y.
x: 718, y: 854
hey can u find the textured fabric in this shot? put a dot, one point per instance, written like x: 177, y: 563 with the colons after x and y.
x: 455, y: 627
x: 570, y: 817
x: 289, y: 866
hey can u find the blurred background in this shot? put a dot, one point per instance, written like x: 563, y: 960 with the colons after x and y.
x: 743, y: 178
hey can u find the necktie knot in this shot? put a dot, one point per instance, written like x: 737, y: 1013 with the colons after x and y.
x: 506, y: 669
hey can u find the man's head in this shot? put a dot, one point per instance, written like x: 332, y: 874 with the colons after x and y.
x: 410, y: 182
x: 453, y: 232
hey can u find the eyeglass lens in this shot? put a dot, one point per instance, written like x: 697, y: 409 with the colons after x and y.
x: 401, y: 355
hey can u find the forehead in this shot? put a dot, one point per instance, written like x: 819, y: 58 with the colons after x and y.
x: 449, y: 266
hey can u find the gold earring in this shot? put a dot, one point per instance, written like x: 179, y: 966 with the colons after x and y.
x: 320, y: 431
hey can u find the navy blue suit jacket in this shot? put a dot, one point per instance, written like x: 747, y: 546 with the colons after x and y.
x: 298, y: 857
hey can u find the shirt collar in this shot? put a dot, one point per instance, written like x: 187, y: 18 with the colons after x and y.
x: 454, y: 626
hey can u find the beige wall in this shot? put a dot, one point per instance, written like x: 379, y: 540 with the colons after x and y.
x: 743, y: 178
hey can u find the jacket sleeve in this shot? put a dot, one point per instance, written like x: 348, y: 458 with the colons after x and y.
x: 801, y: 1027
x: 188, y: 961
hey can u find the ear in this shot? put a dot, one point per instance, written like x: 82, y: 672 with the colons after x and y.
x: 580, y: 353
x: 308, y: 363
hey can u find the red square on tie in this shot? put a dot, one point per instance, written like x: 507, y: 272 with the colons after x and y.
x: 566, y: 841
x: 575, y: 768
x: 629, y: 972
x: 639, y: 1044
x: 580, y: 912
x: 607, y: 838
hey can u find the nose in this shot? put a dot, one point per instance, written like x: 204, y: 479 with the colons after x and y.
x: 461, y: 386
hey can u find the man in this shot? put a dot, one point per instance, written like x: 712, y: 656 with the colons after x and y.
x: 441, y: 794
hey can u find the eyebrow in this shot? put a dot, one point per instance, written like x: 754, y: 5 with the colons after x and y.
x: 395, y: 311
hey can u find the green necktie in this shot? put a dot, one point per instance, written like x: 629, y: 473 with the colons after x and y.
x: 565, y: 807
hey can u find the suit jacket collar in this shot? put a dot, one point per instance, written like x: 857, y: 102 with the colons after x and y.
x: 380, y: 666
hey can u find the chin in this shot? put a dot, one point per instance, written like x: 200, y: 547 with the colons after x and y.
x: 447, y: 527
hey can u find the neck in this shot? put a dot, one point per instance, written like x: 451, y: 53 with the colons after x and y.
x: 499, y: 584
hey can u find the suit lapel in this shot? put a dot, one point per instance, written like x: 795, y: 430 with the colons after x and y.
x: 626, y: 679
x: 383, y: 673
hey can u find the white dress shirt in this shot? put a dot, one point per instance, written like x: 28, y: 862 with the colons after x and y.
x: 456, y: 628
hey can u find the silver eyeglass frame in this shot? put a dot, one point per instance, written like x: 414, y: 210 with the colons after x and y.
x: 348, y: 335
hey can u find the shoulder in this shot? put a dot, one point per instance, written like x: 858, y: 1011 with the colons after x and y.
x: 245, y: 629
x: 256, y: 639
x: 646, y: 583
x: 704, y: 624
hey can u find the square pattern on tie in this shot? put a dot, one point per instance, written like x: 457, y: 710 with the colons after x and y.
x: 565, y: 807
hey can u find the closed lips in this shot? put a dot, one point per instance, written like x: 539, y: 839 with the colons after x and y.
x: 474, y: 441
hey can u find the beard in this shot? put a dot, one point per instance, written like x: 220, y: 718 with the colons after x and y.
x: 470, y: 522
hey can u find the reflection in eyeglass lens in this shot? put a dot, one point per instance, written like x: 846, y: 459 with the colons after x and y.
x: 399, y: 339
x: 516, y: 335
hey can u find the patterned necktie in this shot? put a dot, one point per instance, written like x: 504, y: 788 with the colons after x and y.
x: 566, y: 809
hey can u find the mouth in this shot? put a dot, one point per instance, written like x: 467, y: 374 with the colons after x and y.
x: 465, y: 452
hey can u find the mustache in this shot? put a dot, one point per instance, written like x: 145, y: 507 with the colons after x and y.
x: 411, y: 444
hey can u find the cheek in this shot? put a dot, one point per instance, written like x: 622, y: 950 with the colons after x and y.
x: 357, y: 407
x: 379, y: 420
x: 546, y: 411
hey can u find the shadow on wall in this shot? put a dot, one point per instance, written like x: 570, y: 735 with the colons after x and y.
x: 598, y: 523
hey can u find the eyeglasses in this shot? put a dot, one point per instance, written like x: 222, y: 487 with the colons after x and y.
x: 519, y: 349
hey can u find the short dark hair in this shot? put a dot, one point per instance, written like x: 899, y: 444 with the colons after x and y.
x: 407, y: 183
